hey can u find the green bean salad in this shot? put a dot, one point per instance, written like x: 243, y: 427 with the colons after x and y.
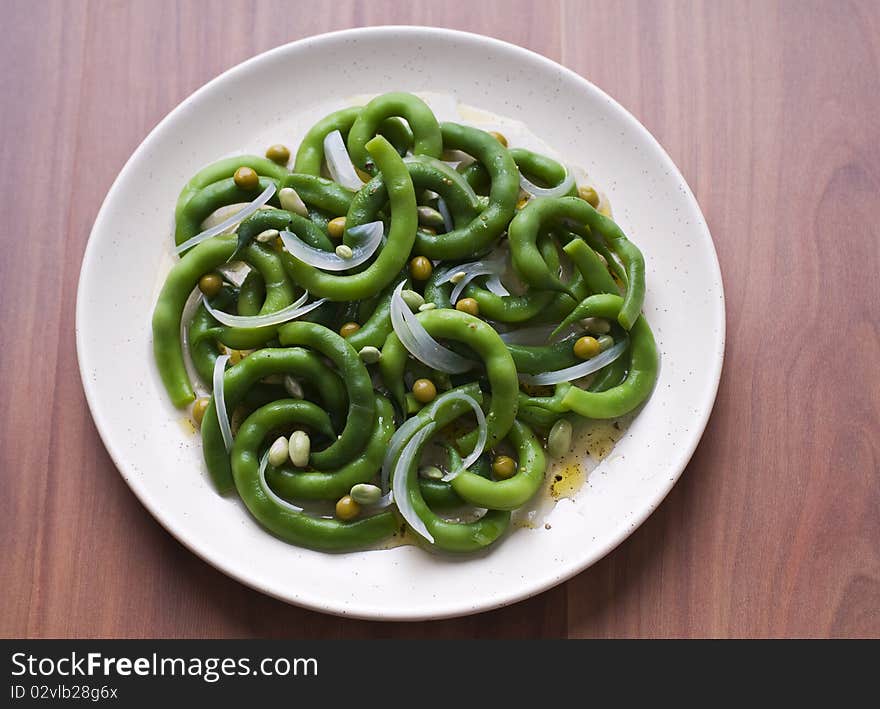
x: 399, y: 330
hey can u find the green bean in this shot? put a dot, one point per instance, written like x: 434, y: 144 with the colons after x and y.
x: 279, y: 295
x: 590, y: 266
x: 361, y: 403
x: 488, y: 226
x: 523, y: 232
x: 640, y: 378
x: 224, y: 169
x: 391, y: 258
x: 426, y: 174
x: 179, y: 284
x: 202, y: 348
x: 610, y: 376
x: 310, y: 155
x: 331, y: 485
x: 426, y: 132
x: 477, y: 176
x: 209, y: 199
x: 534, y: 359
x: 482, y: 338
x: 513, y: 492
x: 450, y: 536
x: 548, y: 171
x: 518, y: 308
x: 320, y: 193
x: 238, y: 380
x: 378, y: 326
x: 295, y: 526
x: 251, y: 295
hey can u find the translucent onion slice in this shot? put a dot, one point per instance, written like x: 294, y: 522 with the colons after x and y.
x: 537, y: 335
x: 419, y: 343
x: 339, y: 162
x: 470, y: 275
x: 471, y: 271
x: 481, y: 439
x: 398, y: 441
x: 291, y: 312
x: 560, y: 190
x: 268, y: 492
x: 328, y: 260
x: 494, y: 285
x: 236, y: 218
x: 400, y: 482
x: 220, y: 401
x: 447, y: 217
x: 579, y: 370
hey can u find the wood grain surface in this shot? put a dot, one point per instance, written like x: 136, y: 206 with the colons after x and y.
x: 772, y: 112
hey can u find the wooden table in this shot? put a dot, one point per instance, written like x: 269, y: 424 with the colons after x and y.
x: 770, y: 110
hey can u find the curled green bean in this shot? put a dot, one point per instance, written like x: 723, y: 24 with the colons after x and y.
x: 297, y: 527
x: 526, y: 259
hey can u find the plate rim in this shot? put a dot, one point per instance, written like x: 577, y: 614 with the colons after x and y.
x: 525, y: 590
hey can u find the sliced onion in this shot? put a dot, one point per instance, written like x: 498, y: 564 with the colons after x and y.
x: 560, y: 190
x: 291, y: 312
x: 339, y: 162
x: 481, y: 439
x: 536, y: 335
x: 233, y: 274
x: 447, y: 217
x: 269, y: 492
x: 494, y: 285
x: 579, y: 370
x: 328, y: 260
x: 220, y: 401
x: 471, y: 271
x: 400, y: 482
x: 264, y: 197
x: 398, y: 441
x: 419, y: 343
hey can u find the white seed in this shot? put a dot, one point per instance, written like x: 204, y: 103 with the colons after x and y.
x: 365, y: 494
x: 457, y: 277
x: 597, y: 326
x: 413, y: 300
x: 293, y: 387
x: 343, y: 251
x: 299, y: 448
x: 292, y: 202
x: 427, y: 306
x: 278, y: 452
x: 370, y: 354
x: 264, y: 237
x: 605, y: 341
x: 431, y: 472
x: 559, y: 439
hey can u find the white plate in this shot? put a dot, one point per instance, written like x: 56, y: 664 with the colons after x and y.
x: 129, y: 251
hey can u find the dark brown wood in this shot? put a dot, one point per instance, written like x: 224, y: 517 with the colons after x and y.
x: 770, y: 110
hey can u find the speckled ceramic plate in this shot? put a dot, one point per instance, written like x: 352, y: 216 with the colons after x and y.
x: 273, y: 98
